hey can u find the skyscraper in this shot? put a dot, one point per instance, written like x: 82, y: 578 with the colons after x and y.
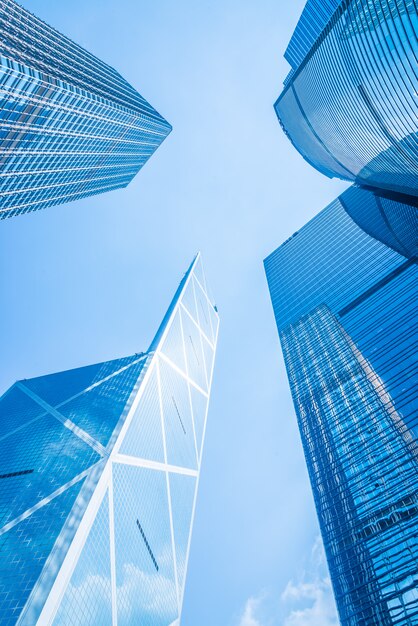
x: 98, y: 475
x: 349, y: 104
x: 346, y: 309
x: 70, y: 125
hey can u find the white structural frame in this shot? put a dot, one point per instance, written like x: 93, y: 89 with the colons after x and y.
x: 105, y: 482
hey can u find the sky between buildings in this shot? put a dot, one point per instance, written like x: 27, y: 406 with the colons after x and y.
x: 91, y: 280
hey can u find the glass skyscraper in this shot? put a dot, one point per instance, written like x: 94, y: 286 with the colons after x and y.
x: 99, y: 469
x: 70, y: 125
x: 349, y: 103
x: 346, y: 308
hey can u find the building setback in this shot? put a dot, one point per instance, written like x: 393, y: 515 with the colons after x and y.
x: 70, y: 125
x: 349, y: 103
x: 99, y: 469
x: 346, y: 309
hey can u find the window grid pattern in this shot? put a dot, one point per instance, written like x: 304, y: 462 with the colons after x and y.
x: 43, y: 458
x: 88, y: 597
x: 125, y: 561
x: 363, y: 465
x: 350, y: 107
x: 350, y: 347
x: 70, y: 125
x: 24, y: 550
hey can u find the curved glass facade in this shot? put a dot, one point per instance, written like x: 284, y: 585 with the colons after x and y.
x: 350, y: 104
x: 347, y: 314
x: 386, y: 216
x: 70, y: 125
x: 98, y: 476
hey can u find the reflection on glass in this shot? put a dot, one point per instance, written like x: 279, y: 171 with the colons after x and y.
x: 98, y: 475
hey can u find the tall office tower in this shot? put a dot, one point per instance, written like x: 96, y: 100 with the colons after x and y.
x: 349, y: 103
x: 70, y: 125
x: 346, y: 309
x: 99, y: 468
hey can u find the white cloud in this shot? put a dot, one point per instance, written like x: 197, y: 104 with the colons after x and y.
x: 141, y: 595
x: 249, y: 618
x: 321, y: 610
x: 310, y: 601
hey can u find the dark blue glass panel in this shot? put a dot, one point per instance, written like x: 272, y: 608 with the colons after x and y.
x: 387, y: 217
x: 299, y: 271
x: 24, y: 550
x: 16, y: 410
x: 385, y: 328
x: 56, y: 388
x: 70, y: 125
x: 363, y: 465
x: 37, y: 460
x: 349, y: 104
x: 98, y: 410
x: 314, y: 18
x: 346, y: 310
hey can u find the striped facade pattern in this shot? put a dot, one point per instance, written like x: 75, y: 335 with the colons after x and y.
x: 347, y: 317
x: 70, y: 125
x: 350, y: 105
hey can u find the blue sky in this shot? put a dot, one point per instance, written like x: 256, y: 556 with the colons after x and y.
x: 91, y: 280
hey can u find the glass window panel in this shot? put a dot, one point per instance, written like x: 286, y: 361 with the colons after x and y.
x: 24, y: 550
x: 182, y: 492
x: 178, y: 423
x: 144, y: 435
x: 87, y: 599
x: 146, y: 590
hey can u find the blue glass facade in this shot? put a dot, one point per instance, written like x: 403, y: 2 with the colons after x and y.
x: 98, y: 475
x: 388, y: 217
x: 347, y: 314
x: 349, y: 105
x: 70, y: 125
x: 315, y: 16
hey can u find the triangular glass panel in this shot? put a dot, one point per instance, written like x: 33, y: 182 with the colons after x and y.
x: 178, y: 423
x: 24, y: 550
x: 37, y: 460
x: 56, y: 388
x: 173, y: 344
x: 209, y: 355
x: 88, y: 597
x: 145, y: 584
x: 182, y: 492
x: 203, y: 311
x: 199, y: 404
x: 194, y: 355
x: 16, y: 410
x: 98, y: 410
x: 188, y: 300
x: 144, y: 436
